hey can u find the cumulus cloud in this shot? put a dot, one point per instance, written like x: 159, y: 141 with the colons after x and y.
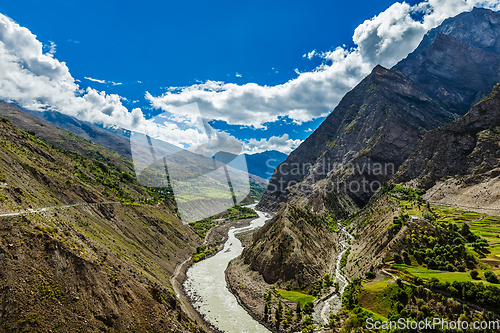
x: 281, y: 143
x: 38, y: 81
x: 238, y: 75
x: 384, y: 39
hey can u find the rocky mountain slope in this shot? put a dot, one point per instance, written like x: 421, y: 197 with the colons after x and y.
x: 369, y: 135
x: 83, y: 246
x: 383, y: 119
x: 105, y: 138
x: 464, y: 154
x: 375, y: 127
x: 301, y: 237
x: 69, y: 140
x: 458, y: 62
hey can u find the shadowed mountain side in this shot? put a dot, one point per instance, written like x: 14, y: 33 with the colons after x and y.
x: 287, y: 248
x: 465, y: 154
x: 375, y: 127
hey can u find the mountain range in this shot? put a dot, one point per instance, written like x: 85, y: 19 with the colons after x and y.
x: 398, y: 187
x: 428, y: 126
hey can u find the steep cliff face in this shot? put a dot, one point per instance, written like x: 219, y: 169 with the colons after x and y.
x: 373, y: 130
x: 458, y: 62
x: 467, y: 149
x: 382, y: 120
x: 370, y: 133
x: 294, y: 247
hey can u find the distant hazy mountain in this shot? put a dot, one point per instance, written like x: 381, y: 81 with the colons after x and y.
x: 88, y: 131
x: 260, y: 164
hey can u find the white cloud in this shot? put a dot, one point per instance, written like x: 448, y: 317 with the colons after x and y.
x: 384, y: 39
x: 36, y: 80
x: 103, y: 81
x: 95, y: 80
x: 52, y: 48
x: 238, y: 75
x: 310, y: 55
x: 281, y: 143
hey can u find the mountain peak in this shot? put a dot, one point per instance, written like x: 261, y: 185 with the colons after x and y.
x: 458, y: 62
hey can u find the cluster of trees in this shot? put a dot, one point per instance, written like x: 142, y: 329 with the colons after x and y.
x: 446, y: 258
x: 322, y: 285
x: 489, y: 275
x: 478, y: 293
x: 406, y: 193
x: 234, y: 213
x: 413, y: 301
x: 202, y: 252
x: 397, y: 224
x: 343, y: 260
x: 284, y: 315
x: 443, y: 247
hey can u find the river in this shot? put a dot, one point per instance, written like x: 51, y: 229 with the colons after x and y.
x: 333, y: 302
x: 206, y: 286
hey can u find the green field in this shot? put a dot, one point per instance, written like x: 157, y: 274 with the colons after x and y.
x: 425, y: 273
x: 296, y: 296
x: 375, y: 296
x: 489, y: 228
x: 455, y: 215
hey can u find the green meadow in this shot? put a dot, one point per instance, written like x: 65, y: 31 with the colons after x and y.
x: 296, y: 296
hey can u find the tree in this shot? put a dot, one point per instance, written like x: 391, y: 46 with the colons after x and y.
x: 298, y: 310
x: 328, y: 280
x: 491, y: 276
x: 308, y: 308
x: 279, y: 312
x: 397, y: 258
x: 474, y: 274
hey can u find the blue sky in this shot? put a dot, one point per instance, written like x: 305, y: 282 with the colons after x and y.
x: 267, y: 72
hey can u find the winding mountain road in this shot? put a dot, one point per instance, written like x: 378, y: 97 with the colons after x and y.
x: 44, y: 209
